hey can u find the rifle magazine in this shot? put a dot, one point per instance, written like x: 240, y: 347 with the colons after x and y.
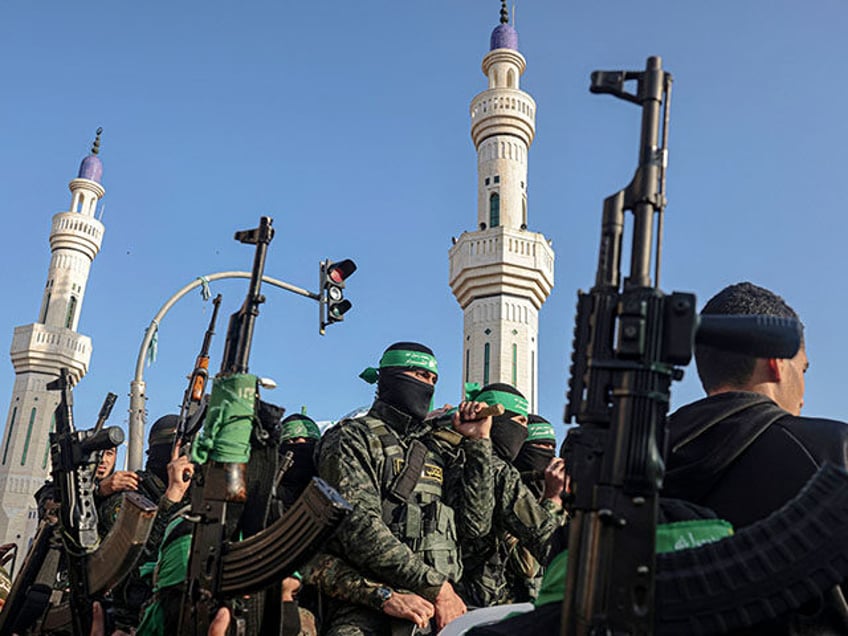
x: 765, y: 570
x: 278, y: 550
x: 119, y: 551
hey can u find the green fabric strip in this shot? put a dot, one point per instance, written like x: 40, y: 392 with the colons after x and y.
x: 402, y: 358
x: 510, y: 401
x: 299, y: 428
x: 173, y: 563
x: 540, y: 432
x: 671, y: 537
x: 225, y: 436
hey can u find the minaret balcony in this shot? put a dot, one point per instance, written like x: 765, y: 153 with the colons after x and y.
x: 501, y: 261
x: 75, y: 231
x: 38, y: 348
x: 87, y: 184
x: 503, y: 111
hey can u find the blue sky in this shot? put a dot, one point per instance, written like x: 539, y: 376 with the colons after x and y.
x: 348, y: 123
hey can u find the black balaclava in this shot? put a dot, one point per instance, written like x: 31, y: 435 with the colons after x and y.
x: 507, y: 435
x: 402, y: 391
x: 534, y: 458
x: 159, y: 444
x: 302, y: 468
x: 301, y: 471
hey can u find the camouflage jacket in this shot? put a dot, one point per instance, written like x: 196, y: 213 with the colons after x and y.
x: 517, y: 513
x: 411, y: 545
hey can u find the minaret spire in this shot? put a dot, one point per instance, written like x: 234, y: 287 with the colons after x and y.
x: 500, y: 272
x: 40, y: 349
x: 95, y: 148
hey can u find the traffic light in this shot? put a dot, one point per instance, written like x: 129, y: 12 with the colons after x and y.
x: 333, y: 304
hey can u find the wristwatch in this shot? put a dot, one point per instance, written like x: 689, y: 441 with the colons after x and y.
x: 381, y: 595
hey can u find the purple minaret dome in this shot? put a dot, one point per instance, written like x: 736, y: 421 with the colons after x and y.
x: 91, y: 167
x: 504, y: 36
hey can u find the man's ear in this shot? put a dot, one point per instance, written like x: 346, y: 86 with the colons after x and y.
x: 773, y: 369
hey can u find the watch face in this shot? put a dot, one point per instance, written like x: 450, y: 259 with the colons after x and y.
x: 384, y: 594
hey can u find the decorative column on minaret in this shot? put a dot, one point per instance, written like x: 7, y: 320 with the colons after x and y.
x: 501, y: 273
x: 41, y: 349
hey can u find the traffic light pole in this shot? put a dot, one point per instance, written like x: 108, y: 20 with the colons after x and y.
x: 138, y: 397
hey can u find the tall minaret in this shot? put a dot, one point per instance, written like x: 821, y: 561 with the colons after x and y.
x: 41, y: 349
x: 501, y: 273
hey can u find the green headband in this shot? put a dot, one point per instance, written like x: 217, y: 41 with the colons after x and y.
x: 401, y: 358
x: 510, y: 401
x: 540, y: 432
x: 300, y: 428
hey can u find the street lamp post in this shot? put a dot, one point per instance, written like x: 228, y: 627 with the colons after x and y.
x: 137, y: 386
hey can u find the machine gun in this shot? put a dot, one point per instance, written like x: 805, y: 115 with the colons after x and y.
x: 220, y: 568
x: 629, y: 341
x: 94, y: 567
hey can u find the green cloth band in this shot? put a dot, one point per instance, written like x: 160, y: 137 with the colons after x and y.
x: 401, y: 358
x: 670, y: 538
x: 300, y: 428
x: 225, y: 436
x: 540, y: 432
x: 173, y: 563
x: 510, y: 401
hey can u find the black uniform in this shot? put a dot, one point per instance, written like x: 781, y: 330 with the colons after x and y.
x: 745, y: 457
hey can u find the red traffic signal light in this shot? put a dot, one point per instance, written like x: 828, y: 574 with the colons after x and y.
x: 333, y: 303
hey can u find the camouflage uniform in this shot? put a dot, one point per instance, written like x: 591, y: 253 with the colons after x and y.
x: 517, y: 513
x: 409, y: 545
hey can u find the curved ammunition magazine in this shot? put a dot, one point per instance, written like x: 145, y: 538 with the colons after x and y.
x: 278, y: 550
x: 119, y: 551
x: 765, y: 570
x: 114, y: 558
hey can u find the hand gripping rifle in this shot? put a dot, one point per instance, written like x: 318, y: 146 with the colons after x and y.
x: 629, y: 341
x: 220, y: 568
x: 94, y: 567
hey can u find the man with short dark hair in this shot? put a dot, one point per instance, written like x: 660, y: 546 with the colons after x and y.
x: 744, y: 450
x: 723, y: 449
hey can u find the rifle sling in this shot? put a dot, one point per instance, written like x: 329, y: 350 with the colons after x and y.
x: 413, y: 464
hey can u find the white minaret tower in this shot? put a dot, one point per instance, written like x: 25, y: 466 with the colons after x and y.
x: 501, y: 273
x: 41, y: 349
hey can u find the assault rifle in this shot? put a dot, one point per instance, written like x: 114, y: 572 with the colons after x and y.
x: 94, y: 567
x: 220, y: 568
x: 195, y: 398
x: 629, y: 341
